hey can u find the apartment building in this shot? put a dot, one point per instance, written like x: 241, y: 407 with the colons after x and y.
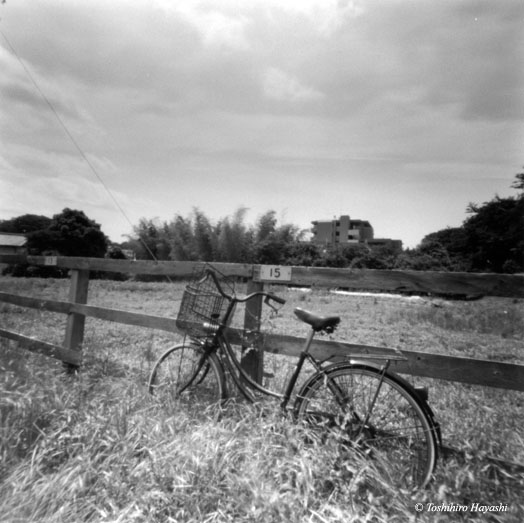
x: 345, y: 231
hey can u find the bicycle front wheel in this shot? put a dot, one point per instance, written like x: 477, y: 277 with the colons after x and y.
x: 377, y: 415
x: 188, y: 372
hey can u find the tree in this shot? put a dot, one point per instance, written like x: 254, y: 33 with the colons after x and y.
x: 332, y: 256
x: 303, y: 254
x: 204, y: 236
x: 273, y: 244
x: 265, y: 226
x: 70, y: 233
x: 231, y: 240
x: 519, y: 183
x: 448, y: 248
x: 25, y: 224
x: 380, y: 257
x: 490, y: 240
x: 182, y: 239
x: 495, y: 235
x: 115, y: 252
x: 151, y: 240
x: 234, y: 239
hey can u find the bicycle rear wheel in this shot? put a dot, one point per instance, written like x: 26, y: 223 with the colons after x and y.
x: 377, y: 415
x: 187, y: 372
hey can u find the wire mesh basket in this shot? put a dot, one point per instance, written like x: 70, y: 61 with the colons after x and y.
x: 203, y: 308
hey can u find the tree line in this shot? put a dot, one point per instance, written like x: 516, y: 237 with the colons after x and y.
x: 491, y: 239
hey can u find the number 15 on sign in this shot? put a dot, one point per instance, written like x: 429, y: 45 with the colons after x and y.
x: 275, y: 273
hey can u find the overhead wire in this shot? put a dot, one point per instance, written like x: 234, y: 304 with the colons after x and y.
x: 76, y: 144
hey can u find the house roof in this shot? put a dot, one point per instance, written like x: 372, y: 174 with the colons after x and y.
x: 12, y: 240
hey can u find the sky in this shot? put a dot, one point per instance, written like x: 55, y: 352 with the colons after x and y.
x: 399, y: 112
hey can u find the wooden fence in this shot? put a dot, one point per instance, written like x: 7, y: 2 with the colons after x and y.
x: 453, y: 368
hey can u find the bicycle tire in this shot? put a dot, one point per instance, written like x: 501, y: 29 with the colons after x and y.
x: 399, y: 436
x: 187, y: 372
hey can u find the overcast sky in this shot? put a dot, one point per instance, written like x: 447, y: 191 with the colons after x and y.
x: 394, y: 111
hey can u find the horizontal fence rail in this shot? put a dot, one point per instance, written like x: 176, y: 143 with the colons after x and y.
x: 42, y: 347
x: 461, y: 284
x: 451, y: 368
x: 443, y: 283
x: 146, y: 267
x: 92, y: 311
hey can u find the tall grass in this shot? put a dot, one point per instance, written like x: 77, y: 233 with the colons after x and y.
x: 107, y: 452
x: 502, y: 318
x: 96, y: 448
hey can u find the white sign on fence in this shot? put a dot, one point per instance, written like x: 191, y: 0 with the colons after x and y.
x: 50, y: 260
x: 275, y: 273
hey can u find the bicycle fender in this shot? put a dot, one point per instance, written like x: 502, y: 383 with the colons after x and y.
x: 364, y: 363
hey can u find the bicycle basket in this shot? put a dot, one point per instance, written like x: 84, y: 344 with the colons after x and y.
x: 203, y: 304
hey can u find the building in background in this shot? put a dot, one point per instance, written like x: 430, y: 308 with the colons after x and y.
x: 345, y: 231
x: 12, y: 243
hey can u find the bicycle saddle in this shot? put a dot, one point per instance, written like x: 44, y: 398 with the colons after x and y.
x: 319, y: 323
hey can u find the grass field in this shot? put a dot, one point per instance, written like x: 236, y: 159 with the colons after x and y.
x: 96, y: 448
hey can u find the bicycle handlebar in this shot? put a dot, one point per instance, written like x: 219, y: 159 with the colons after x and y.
x: 211, y: 273
x: 274, y: 297
x: 268, y: 295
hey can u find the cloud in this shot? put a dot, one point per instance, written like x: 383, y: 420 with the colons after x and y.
x: 284, y: 87
x: 327, y: 16
x: 40, y: 182
x: 464, y: 56
x: 35, y: 106
x: 216, y: 28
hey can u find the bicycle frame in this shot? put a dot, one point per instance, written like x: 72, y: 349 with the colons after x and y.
x: 219, y: 343
x: 232, y: 364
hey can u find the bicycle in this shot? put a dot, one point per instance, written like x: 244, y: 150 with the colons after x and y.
x: 368, y: 407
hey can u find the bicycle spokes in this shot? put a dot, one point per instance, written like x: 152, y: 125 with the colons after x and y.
x: 379, y: 418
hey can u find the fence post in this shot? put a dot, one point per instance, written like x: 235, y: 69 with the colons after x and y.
x: 74, y: 335
x: 253, y: 358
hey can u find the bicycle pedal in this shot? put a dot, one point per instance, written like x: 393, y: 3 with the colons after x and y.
x: 268, y: 375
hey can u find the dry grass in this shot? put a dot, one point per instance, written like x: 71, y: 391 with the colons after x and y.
x: 96, y: 448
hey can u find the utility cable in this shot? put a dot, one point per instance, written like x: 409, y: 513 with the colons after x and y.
x: 76, y: 145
